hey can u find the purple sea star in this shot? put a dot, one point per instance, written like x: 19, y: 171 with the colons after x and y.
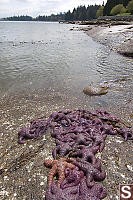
x: 73, y: 178
x: 80, y: 134
x: 93, y: 172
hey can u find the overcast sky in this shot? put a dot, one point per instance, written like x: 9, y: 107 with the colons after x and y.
x: 40, y: 7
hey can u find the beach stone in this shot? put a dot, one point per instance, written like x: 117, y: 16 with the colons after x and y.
x: 127, y: 53
x: 95, y: 90
x: 126, y: 48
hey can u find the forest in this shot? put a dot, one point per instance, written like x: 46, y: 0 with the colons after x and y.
x: 80, y: 13
x: 112, y: 3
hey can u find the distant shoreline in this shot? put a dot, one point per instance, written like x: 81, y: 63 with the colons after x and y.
x: 116, y: 34
x: 118, y: 38
x: 103, y: 18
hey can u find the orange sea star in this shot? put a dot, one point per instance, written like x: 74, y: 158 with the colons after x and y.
x: 58, y: 168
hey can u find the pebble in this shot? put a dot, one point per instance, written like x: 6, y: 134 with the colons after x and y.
x: 42, y: 183
x: 130, y: 168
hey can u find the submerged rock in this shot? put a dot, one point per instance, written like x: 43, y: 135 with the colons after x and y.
x: 95, y: 90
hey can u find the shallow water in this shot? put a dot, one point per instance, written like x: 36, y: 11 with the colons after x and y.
x: 49, y: 59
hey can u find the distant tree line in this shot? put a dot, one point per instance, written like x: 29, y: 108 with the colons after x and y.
x: 52, y: 17
x: 19, y: 18
x: 80, y: 13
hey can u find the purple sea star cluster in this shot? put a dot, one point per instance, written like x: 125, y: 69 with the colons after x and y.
x: 36, y: 129
x: 79, y: 135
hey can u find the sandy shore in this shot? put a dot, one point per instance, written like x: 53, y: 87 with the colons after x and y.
x: 118, y: 38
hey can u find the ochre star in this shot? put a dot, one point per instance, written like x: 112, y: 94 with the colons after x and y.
x: 58, y: 168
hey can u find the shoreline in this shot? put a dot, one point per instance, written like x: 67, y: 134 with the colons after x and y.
x: 118, y: 38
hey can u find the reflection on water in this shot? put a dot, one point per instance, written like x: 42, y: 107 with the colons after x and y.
x: 47, y: 56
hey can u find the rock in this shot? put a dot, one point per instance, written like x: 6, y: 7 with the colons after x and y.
x: 85, y: 28
x: 95, y: 90
x: 126, y: 53
x: 114, y: 23
x: 129, y: 167
x: 126, y: 48
x: 93, y: 22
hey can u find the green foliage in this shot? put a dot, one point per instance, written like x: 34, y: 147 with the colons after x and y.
x: 118, y: 9
x: 130, y: 7
x: 124, y: 14
x: 112, y: 3
x: 123, y: 10
x: 82, y: 13
x: 99, y: 11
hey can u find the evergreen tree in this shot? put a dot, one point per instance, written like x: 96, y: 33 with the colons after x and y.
x: 108, y: 7
x: 99, y: 11
x: 130, y: 7
x: 19, y: 18
x: 112, y: 3
x: 74, y: 13
x: 82, y: 15
x: 68, y: 16
x: 125, y: 2
x: 118, y: 9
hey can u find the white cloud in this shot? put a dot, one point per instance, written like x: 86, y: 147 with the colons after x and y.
x: 40, y: 7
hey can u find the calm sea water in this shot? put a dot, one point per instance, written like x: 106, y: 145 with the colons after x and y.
x: 49, y: 58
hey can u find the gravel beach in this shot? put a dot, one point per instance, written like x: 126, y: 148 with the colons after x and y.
x: 118, y: 38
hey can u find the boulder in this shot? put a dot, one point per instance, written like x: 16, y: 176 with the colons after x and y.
x: 95, y: 90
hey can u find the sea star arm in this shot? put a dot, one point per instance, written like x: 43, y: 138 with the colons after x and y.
x: 61, y: 178
x: 48, y: 163
x: 69, y: 165
x: 61, y: 172
x: 52, y: 173
x: 98, y: 191
x: 101, y: 147
x: 55, y: 151
x: 77, y: 153
x: 99, y: 175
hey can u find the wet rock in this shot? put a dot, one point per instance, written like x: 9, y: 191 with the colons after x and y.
x: 95, y: 90
x: 127, y: 53
x: 127, y: 48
